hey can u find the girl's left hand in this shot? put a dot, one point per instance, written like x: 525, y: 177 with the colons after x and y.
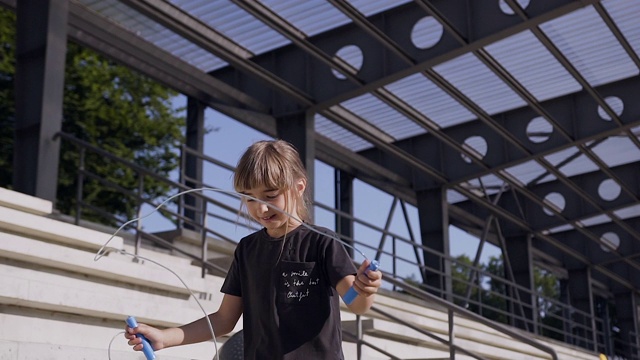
x: 367, y: 281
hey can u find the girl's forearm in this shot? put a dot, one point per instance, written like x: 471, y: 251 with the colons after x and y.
x: 197, y: 331
x: 361, y: 304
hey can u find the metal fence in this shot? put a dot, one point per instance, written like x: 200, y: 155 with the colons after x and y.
x: 487, y: 297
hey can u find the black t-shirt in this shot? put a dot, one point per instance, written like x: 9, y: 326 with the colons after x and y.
x: 291, y: 309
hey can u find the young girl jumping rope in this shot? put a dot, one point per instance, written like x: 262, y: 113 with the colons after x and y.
x: 285, y: 279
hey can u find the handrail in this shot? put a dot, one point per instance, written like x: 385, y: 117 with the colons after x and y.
x: 423, y: 295
x: 427, y: 333
x: 146, y: 172
x: 382, y: 351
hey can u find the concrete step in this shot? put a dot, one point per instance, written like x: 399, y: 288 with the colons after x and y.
x: 25, y: 203
x: 115, y: 266
x: 46, y: 229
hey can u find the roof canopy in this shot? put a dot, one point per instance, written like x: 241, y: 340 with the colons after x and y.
x: 536, y: 99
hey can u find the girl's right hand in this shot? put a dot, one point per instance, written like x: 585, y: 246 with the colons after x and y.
x: 155, y: 336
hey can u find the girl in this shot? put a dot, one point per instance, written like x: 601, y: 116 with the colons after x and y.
x: 285, y: 279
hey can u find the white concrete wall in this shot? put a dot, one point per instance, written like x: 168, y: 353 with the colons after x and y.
x: 57, y: 302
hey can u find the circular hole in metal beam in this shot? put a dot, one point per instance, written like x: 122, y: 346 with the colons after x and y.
x: 505, y: 8
x: 615, y: 103
x: 609, y: 190
x: 553, y: 201
x: 539, y: 130
x: 610, y: 241
x: 352, y: 56
x: 426, y: 32
x: 477, y: 146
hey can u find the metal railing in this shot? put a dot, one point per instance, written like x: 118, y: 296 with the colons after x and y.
x: 208, y: 211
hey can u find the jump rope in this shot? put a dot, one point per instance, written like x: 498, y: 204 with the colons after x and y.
x: 131, y: 321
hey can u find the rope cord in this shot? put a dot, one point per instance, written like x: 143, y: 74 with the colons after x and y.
x: 105, y: 249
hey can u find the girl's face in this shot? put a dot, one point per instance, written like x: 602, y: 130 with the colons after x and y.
x: 269, y: 216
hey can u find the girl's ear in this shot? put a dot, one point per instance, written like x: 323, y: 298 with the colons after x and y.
x: 301, y: 185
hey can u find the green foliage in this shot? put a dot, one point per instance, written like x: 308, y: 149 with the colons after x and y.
x: 460, y: 274
x: 474, y: 290
x: 496, y: 300
x: 546, y: 286
x: 483, y: 290
x: 550, y: 313
x: 106, y: 105
x: 7, y: 109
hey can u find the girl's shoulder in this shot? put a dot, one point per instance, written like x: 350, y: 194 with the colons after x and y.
x: 318, y: 230
x: 252, y: 238
x: 320, y: 235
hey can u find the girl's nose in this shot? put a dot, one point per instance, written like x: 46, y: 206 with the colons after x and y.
x: 263, y: 208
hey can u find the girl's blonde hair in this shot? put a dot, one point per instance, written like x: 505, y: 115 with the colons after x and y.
x: 274, y: 164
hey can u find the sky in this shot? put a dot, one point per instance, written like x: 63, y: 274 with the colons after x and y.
x: 227, y: 139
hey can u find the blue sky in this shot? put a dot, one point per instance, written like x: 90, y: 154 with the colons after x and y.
x: 228, y: 139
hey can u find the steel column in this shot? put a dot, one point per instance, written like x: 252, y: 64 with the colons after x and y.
x: 434, y: 230
x: 581, y: 298
x: 193, y: 167
x: 518, y: 262
x: 626, y: 322
x: 344, y: 204
x: 298, y: 129
x: 41, y: 47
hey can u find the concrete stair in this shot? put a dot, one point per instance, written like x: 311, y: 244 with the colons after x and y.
x: 57, y: 302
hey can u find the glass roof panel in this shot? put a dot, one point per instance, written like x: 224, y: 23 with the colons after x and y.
x: 596, y: 220
x: 235, y: 23
x: 628, y: 212
x: 578, y: 165
x: 617, y: 150
x: 311, y: 17
x: 383, y: 116
x: 626, y: 14
x: 423, y: 95
x: 533, y: 66
x: 586, y: 41
x: 339, y: 134
x: 372, y: 7
x: 528, y: 172
x: 489, y: 184
x: 479, y: 84
x: 559, y: 229
x: 454, y: 196
x: 315, y: 17
x: 155, y: 33
x: 113, y: 9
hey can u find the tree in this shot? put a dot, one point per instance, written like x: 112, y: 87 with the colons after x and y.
x: 496, y: 295
x: 461, y: 270
x: 551, y: 314
x: 7, y: 108
x: 106, y: 105
x: 489, y: 293
x: 547, y: 290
